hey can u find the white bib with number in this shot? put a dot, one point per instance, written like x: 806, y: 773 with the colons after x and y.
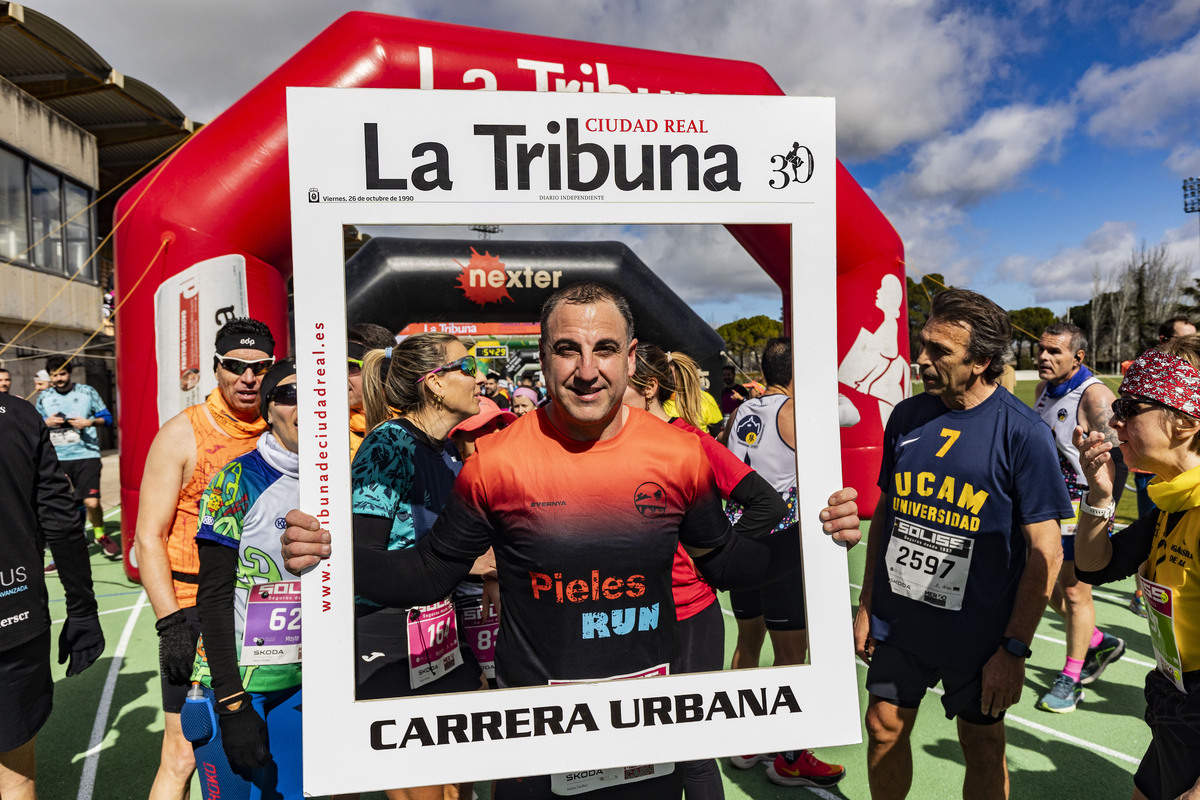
x: 272, y: 632
x: 566, y: 784
x: 929, y: 566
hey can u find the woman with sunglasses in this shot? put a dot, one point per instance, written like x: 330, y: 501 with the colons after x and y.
x: 414, y: 394
x: 658, y: 377
x: 248, y: 670
x: 1157, y: 420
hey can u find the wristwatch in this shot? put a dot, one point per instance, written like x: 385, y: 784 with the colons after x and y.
x: 1103, y: 513
x: 1016, y: 647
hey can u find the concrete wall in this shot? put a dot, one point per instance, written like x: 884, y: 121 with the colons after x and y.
x: 32, y: 128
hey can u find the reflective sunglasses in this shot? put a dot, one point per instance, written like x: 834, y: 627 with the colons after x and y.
x: 468, y: 364
x: 353, y: 367
x: 1126, y: 408
x: 283, y: 395
x: 235, y: 365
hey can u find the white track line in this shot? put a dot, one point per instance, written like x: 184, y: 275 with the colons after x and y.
x: 87, y: 781
x: 101, y: 613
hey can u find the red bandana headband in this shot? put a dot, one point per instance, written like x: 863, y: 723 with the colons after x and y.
x: 1165, y: 379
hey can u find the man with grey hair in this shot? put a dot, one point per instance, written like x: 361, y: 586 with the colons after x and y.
x: 1069, y: 396
x: 962, y: 552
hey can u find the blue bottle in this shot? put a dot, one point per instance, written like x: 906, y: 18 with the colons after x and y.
x: 200, y: 727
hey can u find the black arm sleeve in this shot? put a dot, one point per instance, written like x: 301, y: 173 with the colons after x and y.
x: 214, y: 602
x: 58, y: 516
x: 1131, y: 547
x: 763, y: 508
x: 742, y: 563
x: 402, y: 578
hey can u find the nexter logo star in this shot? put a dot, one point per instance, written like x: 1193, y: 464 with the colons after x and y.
x: 485, y: 279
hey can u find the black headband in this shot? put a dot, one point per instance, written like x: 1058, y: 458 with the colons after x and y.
x: 271, y: 380
x: 245, y: 341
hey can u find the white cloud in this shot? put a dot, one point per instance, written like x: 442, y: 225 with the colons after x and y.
x: 1154, y: 103
x: 1067, y: 276
x: 988, y: 157
x: 1164, y: 20
x: 1184, y: 160
x: 902, y: 71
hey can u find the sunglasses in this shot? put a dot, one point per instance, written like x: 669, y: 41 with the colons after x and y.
x: 283, y: 395
x: 1126, y: 408
x: 468, y: 364
x: 353, y: 367
x: 235, y: 365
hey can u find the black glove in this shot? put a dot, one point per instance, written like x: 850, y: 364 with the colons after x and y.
x: 176, y: 648
x: 243, y: 735
x: 82, y: 641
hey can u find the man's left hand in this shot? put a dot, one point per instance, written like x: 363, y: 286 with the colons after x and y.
x: 1003, y: 677
x: 79, y: 423
x: 80, y: 643
x: 840, y: 517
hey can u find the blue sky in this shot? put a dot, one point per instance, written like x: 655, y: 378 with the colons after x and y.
x: 1020, y: 148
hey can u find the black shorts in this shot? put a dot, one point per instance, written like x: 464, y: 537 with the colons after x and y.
x: 780, y: 603
x: 173, y: 696
x: 85, y: 477
x: 26, y: 691
x: 381, y: 658
x: 702, y: 641
x: 1170, y: 766
x: 901, y: 678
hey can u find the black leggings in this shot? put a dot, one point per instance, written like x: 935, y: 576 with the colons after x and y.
x: 702, y: 649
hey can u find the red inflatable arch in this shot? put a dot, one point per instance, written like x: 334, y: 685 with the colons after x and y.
x: 226, y: 193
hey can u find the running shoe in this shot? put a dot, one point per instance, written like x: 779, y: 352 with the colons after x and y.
x: 746, y: 762
x: 802, y: 768
x: 51, y: 567
x: 1137, y: 607
x: 110, y: 548
x: 1109, y: 650
x: 1063, y: 696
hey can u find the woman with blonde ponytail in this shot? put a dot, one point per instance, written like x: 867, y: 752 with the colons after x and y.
x: 413, y: 394
x: 659, y: 376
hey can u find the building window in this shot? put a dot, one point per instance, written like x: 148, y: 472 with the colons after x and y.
x: 79, y: 230
x: 46, y: 214
x: 35, y: 202
x: 14, y: 218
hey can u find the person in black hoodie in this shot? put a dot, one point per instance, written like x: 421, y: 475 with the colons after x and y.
x: 38, y: 509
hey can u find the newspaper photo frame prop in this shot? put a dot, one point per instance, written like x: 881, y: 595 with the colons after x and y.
x: 428, y: 158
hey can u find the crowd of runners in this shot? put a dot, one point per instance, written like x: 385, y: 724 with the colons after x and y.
x: 990, y: 511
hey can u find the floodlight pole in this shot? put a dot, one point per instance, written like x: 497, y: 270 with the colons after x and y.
x: 1191, y: 195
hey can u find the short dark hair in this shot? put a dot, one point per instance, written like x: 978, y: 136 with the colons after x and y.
x: 243, y: 325
x: 1078, y: 340
x: 988, y: 323
x: 370, y: 336
x: 777, y: 361
x: 1166, y: 331
x: 58, y: 362
x: 586, y: 293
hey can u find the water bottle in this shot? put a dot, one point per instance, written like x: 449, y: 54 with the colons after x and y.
x: 200, y: 727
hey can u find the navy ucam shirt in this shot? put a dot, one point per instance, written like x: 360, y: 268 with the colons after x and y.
x: 960, y: 484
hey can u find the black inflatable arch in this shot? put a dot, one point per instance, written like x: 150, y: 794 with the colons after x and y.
x: 396, y: 281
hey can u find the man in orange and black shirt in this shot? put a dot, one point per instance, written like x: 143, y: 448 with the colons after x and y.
x: 184, y: 455
x: 583, y: 502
